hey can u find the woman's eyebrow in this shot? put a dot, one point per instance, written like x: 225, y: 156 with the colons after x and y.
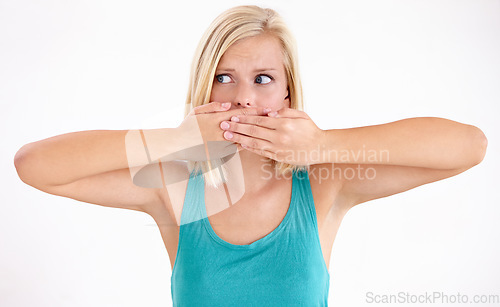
x: 255, y: 70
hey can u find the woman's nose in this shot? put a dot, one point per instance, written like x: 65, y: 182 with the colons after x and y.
x: 245, y: 104
x: 245, y: 97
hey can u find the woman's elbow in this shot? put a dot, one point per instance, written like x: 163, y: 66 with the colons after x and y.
x: 21, y: 163
x: 479, y: 145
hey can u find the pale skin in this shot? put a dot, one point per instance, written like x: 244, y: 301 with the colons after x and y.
x: 417, y: 156
x: 422, y: 150
x: 251, y: 76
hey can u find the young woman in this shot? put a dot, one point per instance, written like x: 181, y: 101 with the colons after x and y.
x: 248, y: 192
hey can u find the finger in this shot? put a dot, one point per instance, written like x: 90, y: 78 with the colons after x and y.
x: 250, y: 111
x: 261, y: 121
x: 288, y: 113
x: 248, y: 129
x: 246, y: 140
x: 212, y: 107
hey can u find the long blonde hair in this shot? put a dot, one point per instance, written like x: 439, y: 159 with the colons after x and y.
x: 232, y: 25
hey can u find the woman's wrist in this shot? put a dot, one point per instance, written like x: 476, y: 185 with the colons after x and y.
x: 328, y: 140
x: 165, y: 144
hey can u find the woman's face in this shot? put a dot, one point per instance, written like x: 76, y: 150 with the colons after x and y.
x: 251, y: 74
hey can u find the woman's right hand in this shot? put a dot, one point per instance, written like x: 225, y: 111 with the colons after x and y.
x: 203, y: 135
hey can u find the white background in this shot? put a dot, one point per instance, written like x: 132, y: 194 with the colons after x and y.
x: 83, y: 65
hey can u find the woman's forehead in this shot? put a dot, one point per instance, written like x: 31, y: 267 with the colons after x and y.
x: 262, y: 51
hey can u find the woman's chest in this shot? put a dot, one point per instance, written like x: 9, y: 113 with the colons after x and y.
x: 251, y: 218
x: 256, y: 215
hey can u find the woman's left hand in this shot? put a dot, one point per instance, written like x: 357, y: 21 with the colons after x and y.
x: 287, y: 135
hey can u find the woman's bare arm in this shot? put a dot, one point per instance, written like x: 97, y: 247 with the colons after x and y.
x: 93, y: 166
x: 422, y: 150
x: 102, y: 166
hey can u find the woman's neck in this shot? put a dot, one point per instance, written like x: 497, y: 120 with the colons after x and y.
x: 258, y: 171
x: 255, y: 171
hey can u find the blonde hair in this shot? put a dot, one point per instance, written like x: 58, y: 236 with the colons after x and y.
x: 232, y: 25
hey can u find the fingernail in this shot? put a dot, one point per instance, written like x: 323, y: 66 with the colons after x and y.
x: 224, y: 125
x: 235, y: 119
x: 226, y: 104
x: 273, y: 113
x: 267, y: 110
x: 228, y: 135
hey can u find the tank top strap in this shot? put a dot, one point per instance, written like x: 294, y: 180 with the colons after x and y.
x: 307, y: 208
x: 194, y: 197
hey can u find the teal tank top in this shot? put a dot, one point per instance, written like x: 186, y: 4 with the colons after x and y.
x: 284, y: 268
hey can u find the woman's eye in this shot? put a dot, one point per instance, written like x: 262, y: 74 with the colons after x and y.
x: 223, y: 78
x: 263, y: 79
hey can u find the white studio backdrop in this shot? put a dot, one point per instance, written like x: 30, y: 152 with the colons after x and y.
x: 88, y: 65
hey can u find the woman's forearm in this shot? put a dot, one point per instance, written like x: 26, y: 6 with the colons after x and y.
x: 68, y: 157
x: 423, y: 142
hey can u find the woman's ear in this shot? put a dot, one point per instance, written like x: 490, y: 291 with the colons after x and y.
x: 287, y: 98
